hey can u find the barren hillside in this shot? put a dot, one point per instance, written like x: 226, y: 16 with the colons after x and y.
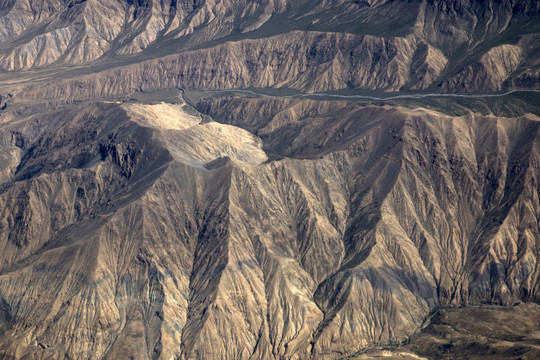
x: 269, y: 180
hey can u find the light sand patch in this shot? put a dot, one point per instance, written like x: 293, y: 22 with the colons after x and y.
x: 195, y: 143
x: 162, y: 116
x: 207, y: 142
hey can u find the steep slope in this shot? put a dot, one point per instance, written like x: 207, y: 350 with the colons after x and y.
x: 256, y: 219
x: 308, y: 61
x: 348, y: 241
x: 445, y: 45
x: 36, y: 34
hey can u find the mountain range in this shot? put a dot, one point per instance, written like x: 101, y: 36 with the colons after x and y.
x: 270, y: 179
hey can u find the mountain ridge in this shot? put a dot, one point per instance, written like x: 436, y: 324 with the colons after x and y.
x: 444, y: 64
x: 365, y: 222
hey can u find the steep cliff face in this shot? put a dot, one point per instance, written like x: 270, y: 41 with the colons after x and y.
x: 145, y: 240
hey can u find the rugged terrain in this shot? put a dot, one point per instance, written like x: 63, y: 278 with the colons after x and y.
x: 452, y: 46
x: 269, y: 180
x: 339, y: 226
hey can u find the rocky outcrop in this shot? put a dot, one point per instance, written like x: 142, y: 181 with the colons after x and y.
x: 426, y: 66
x: 489, y: 73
